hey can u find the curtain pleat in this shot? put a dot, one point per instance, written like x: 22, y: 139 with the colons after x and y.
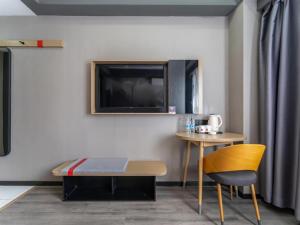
x: 279, y: 104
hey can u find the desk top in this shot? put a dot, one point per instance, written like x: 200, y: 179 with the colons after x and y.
x: 212, y: 138
x: 134, y: 168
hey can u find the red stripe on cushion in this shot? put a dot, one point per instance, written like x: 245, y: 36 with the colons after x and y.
x: 71, y: 170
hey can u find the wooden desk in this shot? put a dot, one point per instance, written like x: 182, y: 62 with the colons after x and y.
x: 204, y: 140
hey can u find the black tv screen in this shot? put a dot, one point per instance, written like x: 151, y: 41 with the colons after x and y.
x: 131, y: 88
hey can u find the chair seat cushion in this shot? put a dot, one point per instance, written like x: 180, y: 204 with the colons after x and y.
x: 238, y: 178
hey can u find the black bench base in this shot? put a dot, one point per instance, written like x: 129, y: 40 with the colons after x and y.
x: 122, y: 188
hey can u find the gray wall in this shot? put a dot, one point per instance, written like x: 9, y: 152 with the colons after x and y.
x: 262, y: 3
x: 1, y: 103
x: 242, y: 74
x: 50, y: 89
x: 242, y: 78
x: 251, y: 30
x: 236, y: 69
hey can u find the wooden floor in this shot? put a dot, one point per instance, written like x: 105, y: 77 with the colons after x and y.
x: 43, y: 206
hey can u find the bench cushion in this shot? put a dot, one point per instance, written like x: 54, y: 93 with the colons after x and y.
x: 134, y: 168
x: 96, y: 165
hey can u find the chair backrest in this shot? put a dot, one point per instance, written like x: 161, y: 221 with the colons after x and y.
x: 234, y: 158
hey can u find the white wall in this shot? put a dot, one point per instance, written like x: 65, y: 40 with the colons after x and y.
x: 14, y: 8
x: 50, y: 89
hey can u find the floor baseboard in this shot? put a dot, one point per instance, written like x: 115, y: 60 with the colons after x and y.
x: 59, y: 183
x: 158, y: 183
x: 179, y: 183
x: 248, y: 196
x: 30, y: 183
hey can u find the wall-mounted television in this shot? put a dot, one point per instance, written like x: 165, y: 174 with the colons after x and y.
x: 130, y: 87
x: 173, y: 87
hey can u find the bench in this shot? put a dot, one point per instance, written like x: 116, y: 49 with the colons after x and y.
x: 136, y: 182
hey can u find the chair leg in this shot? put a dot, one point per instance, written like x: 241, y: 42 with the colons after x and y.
x: 255, y: 204
x: 236, y: 191
x: 219, y: 189
x: 231, y: 192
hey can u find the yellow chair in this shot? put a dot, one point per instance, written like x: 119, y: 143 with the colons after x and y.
x: 235, y: 165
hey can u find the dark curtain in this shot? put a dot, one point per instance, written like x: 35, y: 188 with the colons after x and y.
x: 279, y: 98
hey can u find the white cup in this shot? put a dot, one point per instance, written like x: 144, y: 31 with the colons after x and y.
x: 205, y: 129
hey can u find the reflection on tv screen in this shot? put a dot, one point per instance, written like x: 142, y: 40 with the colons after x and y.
x: 131, y: 86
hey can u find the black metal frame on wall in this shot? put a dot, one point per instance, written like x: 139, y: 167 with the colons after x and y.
x: 6, y: 90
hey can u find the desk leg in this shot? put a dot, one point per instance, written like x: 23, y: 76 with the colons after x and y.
x: 186, y: 162
x: 200, y: 177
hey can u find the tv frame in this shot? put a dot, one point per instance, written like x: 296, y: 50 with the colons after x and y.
x: 7, y: 101
x: 127, y: 110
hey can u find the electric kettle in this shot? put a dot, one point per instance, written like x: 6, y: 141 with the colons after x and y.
x: 215, y: 121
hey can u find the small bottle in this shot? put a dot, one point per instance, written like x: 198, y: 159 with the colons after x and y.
x: 188, y: 124
x: 181, y: 124
x: 192, y: 125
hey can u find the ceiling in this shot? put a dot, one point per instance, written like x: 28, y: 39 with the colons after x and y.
x: 132, y: 7
x: 14, y: 8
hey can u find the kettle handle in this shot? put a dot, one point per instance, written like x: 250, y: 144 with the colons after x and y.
x: 221, y: 121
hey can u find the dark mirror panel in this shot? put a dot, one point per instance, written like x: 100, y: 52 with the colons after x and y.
x: 5, y: 106
x: 185, y: 86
